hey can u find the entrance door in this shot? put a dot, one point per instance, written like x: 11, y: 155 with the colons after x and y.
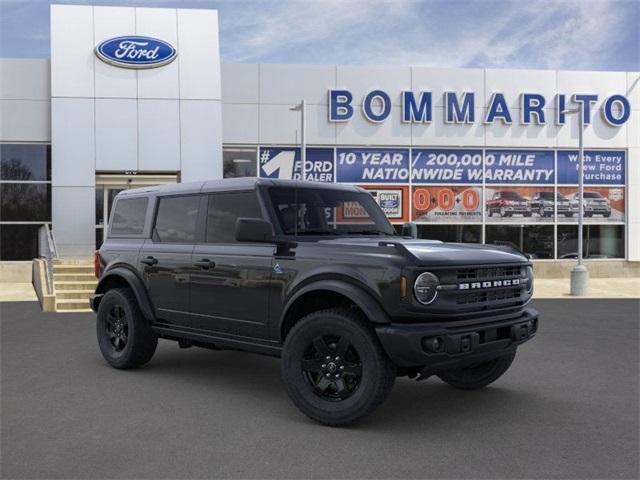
x: 109, y: 185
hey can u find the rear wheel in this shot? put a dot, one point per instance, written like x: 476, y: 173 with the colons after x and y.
x: 125, y: 337
x: 478, y: 376
x: 334, y: 368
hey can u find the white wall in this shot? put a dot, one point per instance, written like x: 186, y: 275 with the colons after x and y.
x: 110, y: 119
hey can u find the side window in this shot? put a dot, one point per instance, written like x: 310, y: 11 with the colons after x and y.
x: 176, y: 219
x: 224, y: 209
x: 128, y: 216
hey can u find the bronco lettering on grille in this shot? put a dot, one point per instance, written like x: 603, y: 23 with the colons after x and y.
x: 489, y: 284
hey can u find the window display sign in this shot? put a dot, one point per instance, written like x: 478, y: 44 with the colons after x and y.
x: 518, y: 166
x: 434, y: 165
x: 521, y: 204
x: 285, y: 163
x: 449, y: 203
x: 601, y: 205
x: 372, y: 165
x: 601, y: 167
x: 394, y: 201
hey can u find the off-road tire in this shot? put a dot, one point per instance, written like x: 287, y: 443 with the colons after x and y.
x: 377, y: 371
x: 478, y: 376
x: 141, y: 341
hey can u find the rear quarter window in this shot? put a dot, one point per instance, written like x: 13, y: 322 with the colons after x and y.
x: 128, y: 216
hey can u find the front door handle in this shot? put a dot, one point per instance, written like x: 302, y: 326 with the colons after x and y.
x: 149, y: 261
x: 205, y: 263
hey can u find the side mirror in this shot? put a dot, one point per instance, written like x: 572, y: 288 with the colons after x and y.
x: 253, y: 230
x: 410, y: 229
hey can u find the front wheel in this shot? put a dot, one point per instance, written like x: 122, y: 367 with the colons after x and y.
x: 334, y: 367
x: 125, y: 337
x: 478, y: 376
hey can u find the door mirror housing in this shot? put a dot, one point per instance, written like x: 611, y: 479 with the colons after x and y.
x: 410, y: 229
x: 253, y: 230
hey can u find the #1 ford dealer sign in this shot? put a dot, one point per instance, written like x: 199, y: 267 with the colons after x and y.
x: 136, y: 52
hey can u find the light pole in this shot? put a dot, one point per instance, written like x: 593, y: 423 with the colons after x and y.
x: 303, y: 140
x: 580, y: 274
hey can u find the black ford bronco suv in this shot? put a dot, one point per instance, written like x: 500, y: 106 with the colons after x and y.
x: 313, y: 273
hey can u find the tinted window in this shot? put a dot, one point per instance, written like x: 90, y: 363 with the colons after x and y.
x: 535, y: 240
x: 176, y: 219
x: 128, y: 216
x: 25, y: 162
x: 18, y: 242
x: 224, y: 209
x: 239, y: 162
x: 25, y: 202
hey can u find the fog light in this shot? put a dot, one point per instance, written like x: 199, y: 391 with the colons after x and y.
x: 432, y: 344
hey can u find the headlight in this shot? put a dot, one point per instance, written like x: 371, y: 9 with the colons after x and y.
x: 425, y: 288
x: 530, y: 280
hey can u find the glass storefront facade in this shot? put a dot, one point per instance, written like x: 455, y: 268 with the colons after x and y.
x: 522, y: 198
x: 25, y: 198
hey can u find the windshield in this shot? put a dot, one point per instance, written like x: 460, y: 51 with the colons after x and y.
x: 546, y: 195
x: 316, y: 211
x: 592, y: 195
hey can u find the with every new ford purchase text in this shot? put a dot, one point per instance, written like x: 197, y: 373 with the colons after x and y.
x: 313, y: 273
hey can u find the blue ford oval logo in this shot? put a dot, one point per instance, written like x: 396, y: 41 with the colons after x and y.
x: 134, y: 51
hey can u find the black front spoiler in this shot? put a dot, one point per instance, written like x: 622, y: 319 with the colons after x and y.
x: 411, y: 345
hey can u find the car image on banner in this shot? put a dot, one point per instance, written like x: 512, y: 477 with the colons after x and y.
x: 520, y: 204
x: 601, y: 205
x: 447, y: 204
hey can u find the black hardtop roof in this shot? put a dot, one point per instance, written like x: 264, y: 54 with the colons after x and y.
x: 229, y: 184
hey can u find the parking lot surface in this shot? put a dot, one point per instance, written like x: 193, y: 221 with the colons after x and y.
x: 567, y: 408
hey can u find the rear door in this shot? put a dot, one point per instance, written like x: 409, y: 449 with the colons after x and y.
x: 230, y: 286
x: 165, y: 259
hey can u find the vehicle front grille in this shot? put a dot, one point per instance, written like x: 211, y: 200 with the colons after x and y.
x: 482, y: 289
x: 490, y: 273
x: 489, y: 296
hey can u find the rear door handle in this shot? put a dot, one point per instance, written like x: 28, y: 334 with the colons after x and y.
x: 149, y: 261
x: 205, y: 263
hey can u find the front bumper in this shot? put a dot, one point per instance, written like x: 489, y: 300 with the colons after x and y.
x: 460, y: 343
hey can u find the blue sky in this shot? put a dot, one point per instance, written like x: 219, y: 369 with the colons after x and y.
x: 546, y: 34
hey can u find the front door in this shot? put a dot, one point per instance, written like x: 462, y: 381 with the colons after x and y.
x: 230, y: 286
x: 165, y: 258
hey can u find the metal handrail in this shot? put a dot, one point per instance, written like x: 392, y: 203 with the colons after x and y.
x: 50, y: 252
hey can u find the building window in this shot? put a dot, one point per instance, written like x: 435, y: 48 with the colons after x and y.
x: 239, y: 162
x: 451, y: 233
x: 25, y: 198
x: 533, y: 240
x: 598, y: 241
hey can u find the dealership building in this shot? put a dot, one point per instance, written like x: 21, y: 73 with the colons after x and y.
x: 470, y: 155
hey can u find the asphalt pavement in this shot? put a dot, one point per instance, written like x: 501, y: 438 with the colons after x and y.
x: 567, y: 408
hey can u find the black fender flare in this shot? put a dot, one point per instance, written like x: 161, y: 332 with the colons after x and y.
x: 367, y: 303
x: 135, y: 283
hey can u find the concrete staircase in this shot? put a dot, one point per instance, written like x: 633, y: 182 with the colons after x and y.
x: 73, y: 283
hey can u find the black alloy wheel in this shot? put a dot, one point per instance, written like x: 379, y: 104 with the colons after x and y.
x: 332, y: 367
x: 117, y: 327
x: 126, y: 339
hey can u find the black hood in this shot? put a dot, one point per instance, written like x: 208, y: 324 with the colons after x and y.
x: 436, y: 253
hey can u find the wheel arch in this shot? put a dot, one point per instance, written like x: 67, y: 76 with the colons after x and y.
x: 119, y: 277
x: 323, y: 294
